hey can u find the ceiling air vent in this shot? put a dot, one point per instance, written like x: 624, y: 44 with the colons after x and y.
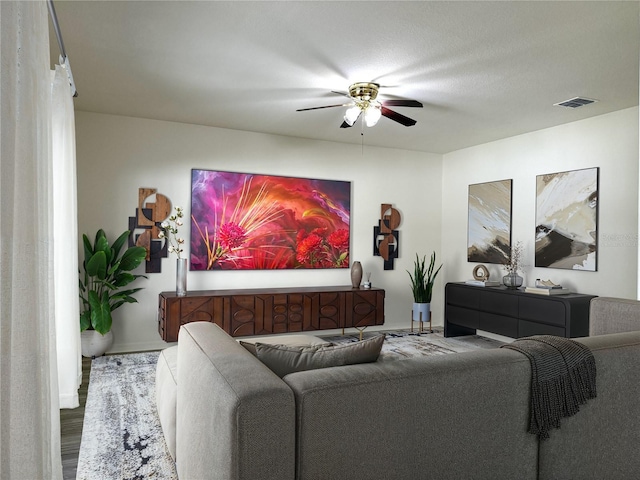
x: 575, y: 102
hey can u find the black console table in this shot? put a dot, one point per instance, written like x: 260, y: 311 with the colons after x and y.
x: 513, y: 313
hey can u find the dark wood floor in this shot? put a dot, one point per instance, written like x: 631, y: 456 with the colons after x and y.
x: 71, y: 427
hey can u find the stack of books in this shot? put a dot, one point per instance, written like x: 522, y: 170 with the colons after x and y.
x: 555, y: 290
x: 483, y: 283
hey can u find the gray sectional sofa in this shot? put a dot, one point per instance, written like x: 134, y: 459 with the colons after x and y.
x: 458, y: 416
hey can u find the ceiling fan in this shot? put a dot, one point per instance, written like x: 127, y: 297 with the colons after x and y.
x: 364, y: 101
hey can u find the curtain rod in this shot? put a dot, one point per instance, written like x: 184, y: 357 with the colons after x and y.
x: 64, y: 60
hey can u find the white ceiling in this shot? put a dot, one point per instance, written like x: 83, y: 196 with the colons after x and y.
x: 483, y: 70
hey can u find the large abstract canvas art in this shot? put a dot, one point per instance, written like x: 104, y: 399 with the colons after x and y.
x: 242, y: 221
x: 489, y: 235
x: 567, y: 220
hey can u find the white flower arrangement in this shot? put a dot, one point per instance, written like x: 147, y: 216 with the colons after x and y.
x: 170, y: 232
x: 513, y: 262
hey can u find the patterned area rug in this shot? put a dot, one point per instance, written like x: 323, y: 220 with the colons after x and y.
x: 404, y: 344
x: 122, y: 437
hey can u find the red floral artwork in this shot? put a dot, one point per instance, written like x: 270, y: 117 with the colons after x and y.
x: 248, y: 222
x: 232, y: 236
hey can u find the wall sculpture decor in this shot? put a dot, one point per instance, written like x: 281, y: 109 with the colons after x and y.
x: 242, y: 221
x: 385, y: 236
x: 489, y: 224
x: 148, y: 217
x: 567, y: 220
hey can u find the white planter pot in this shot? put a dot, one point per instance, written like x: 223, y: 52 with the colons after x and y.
x: 421, y: 308
x: 93, y: 344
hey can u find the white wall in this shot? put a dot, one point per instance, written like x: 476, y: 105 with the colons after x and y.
x: 117, y: 155
x: 609, y: 142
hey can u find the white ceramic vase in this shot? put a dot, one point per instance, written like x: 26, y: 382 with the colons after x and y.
x: 93, y: 344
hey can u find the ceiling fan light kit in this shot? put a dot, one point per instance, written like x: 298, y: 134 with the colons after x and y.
x: 371, y: 115
x: 352, y: 114
x: 364, y: 96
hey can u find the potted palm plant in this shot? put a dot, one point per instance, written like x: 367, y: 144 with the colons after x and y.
x: 106, y: 272
x: 422, y: 280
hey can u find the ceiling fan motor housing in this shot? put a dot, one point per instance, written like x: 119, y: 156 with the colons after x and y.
x: 364, y: 91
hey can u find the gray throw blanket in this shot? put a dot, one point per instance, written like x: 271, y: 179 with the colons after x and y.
x: 563, y: 377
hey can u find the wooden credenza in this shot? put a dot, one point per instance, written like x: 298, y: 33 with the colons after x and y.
x: 514, y: 313
x: 267, y: 311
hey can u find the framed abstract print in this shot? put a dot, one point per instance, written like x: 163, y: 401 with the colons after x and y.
x: 243, y: 221
x: 567, y: 220
x: 489, y: 223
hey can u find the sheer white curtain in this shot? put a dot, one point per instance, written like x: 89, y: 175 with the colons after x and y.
x: 65, y: 235
x: 29, y: 412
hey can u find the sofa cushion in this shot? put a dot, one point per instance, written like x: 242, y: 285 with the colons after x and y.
x: 301, y: 340
x: 608, y: 423
x: 166, y: 394
x: 283, y: 359
x: 451, y: 417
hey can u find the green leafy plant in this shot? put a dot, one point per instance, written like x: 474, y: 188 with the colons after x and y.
x: 105, y: 273
x: 423, y: 278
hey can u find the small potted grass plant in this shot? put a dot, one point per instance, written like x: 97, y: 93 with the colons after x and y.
x: 422, y: 280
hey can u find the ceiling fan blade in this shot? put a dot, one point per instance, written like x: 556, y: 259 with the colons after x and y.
x: 341, y: 93
x: 397, y: 117
x: 401, y: 103
x: 317, y: 108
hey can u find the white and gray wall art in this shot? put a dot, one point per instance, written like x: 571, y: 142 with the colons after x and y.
x: 567, y: 220
x: 489, y: 227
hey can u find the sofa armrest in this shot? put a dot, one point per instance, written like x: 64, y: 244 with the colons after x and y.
x: 602, y: 439
x: 235, y: 418
x: 613, y: 315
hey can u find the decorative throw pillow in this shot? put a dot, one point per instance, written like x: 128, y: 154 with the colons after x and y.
x: 298, y: 340
x: 249, y: 346
x: 284, y: 359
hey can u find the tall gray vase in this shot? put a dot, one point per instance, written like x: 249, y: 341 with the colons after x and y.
x: 356, y: 274
x: 181, y: 277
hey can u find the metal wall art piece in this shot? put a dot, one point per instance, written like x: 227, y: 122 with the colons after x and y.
x: 567, y: 220
x: 149, y: 216
x: 242, y: 221
x: 385, y: 235
x: 489, y: 224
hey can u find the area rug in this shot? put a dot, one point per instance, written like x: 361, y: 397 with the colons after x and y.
x: 122, y: 437
x: 400, y: 344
